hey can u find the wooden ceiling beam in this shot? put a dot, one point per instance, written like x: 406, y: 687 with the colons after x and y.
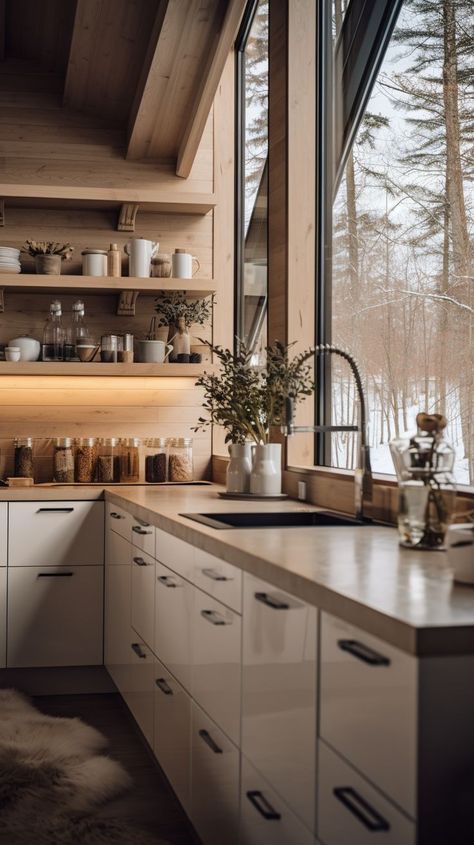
x: 86, y: 24
x: 222, y: 45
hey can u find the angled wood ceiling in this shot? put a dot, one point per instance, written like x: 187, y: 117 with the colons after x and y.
x: 150, y: 67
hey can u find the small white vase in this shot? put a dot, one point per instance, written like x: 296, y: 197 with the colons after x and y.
x: 265, y: 479
x: 239, y: 468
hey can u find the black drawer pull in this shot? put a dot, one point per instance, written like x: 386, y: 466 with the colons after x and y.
x: 207, y: 738
x: 272, y: 601
x: 55, y: 574
x: 214, y: 576
x: 163, y: 686
x: 359, y: 808
x: 262, y: 805
x: 139, y: 530
x: 115, y: 515
x: 362, y: 652
x: 55, y: 510
x: 139, y: 561
x: 168, y: 581
x: 136, y: 647
x: 214, y: 617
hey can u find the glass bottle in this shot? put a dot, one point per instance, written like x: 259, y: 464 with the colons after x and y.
x: 180, y: 460
x: 23, y: 460
x: 108, y: 461
x: 181, y: 343
x: 53, y: 334
x: 76, y: 333
x: 156, y: 460
x: 86, y: 460
x: 130, y: 460
x: 63, y: 461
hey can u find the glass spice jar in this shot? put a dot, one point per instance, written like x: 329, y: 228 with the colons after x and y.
x: 156, y: 460
x: 180, y: 460
x: 86, y: 460
x: 108, y: 461
x: 130, y: 460
x: 63, y: 461
x: 23, y: 461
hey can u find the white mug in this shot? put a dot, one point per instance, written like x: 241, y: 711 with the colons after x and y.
x: 182, y: 264
x: 153, y: 351
x: 140, y: 252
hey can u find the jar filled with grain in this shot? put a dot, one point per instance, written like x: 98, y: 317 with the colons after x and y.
x: 86, y: 460
x: 23, y: 462
x: 130, y: 460
x: 180, y: 459
x: 108, y: 460
x: 63, y: 461
x: 156, y: 460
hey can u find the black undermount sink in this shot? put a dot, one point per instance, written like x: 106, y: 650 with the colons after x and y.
x: 272, y: 519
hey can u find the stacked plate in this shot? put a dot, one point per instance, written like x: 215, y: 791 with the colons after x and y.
x: 9, y: 260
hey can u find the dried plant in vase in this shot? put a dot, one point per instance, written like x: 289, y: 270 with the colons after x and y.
x: 178, y: 311
x: 48, y: 255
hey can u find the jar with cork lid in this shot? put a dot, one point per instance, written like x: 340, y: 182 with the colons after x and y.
x: 180, y: 459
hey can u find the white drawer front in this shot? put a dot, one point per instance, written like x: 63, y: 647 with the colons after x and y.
x: 64, y: 533
x: 214, y: 782
x: 219, y: 579
x: 264, y: 818
x: 138, y: 689
x: 117, y: 622
x: 55, y: 616
x: 175, y: 553
x: 216, y: 662
x: 143, y: 595
x: 3, y: 617
x: 369, y: 707
x: 279, y: 701
x: 3, y: 533
x: 173, y: 613
x: 118, y: 520
x: 117, y: 549
x: 352, y: 812
x: 172, y: 742
x: 143, y: 536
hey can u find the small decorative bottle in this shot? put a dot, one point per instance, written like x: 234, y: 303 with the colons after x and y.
x: 114, y: 261
x: 427, y: 490
x: 53, y: 334
x: 181, y: 343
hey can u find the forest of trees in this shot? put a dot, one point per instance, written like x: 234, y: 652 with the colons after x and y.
x: 402, y: 229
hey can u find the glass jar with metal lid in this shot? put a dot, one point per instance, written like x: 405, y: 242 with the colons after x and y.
x: 23, y: 461
x: 86, y: 460
x: 130, y: 460
x: 108, y: 460
x: 156, y: 460
x: 63, y: 461
x: 180, y: 459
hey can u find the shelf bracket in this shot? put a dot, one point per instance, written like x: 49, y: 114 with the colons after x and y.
x: 126, y: 218
x: 126, y: 303
x: 2, y: 212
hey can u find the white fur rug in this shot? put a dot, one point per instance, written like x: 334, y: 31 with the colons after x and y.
x: 53, y: 775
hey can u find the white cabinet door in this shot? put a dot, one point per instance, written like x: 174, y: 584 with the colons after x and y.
x: 3, y: 533
x: 3, y: 617
x: 217, y: 662
x: 117, y: 549
x: 56, y: 533
x: 214, y: 782
x: 138, y: 689
x: 174, y: 553
x: 279, y: 693
x: 369, y: 707
x: 55, y: 616
x: 172, y: 732
x: 264, y: 818
x: 173, y: 615
x: 143, y: 535
x: 118, y: 520
x: 143, y: 595
x: 218, y: 578
x: 352, y: 812
x: 117, y: 621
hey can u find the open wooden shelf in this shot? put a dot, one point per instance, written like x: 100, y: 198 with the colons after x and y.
x: 66, y: 368
x: 30, y: 282
x: 74, y: 196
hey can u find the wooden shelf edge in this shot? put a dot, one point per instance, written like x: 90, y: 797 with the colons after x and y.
x: 104, y: 284
x: 66, y: 368
x: 147, y: 199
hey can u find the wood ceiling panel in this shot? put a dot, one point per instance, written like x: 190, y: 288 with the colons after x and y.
x: 39, y: 30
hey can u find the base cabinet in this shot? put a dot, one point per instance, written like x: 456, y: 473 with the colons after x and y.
x: 117, y: 620
x: 138, y: 684
x: 55, y: 616
x: 173, y: 614
x: 3, y: 617
x: 172, y: 732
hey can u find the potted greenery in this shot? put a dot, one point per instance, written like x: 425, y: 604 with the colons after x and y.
x: 48, y: 255
x: 248, y: 401
x: 178, y: 312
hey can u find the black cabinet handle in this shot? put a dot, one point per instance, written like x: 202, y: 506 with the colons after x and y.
x: 136, y: 647
x: 262, y: 805
x: 272, y: 601
x: 207, y: 738
x: 214, y: 576
x: 139, y: 530
x: 55, y: 574
x: 55, y: 510
x: 139, y: 561
x: 362, y: 652
x: 359, y: 808
x: 167, y: 581
x: 214, y: 618
x: 115, y: 515
x: 163, y: 686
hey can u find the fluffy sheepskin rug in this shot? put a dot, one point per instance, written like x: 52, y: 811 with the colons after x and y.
x: 52, y: 778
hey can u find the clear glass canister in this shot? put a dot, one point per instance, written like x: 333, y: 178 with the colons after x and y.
x: 156, y: 460
x: 108, y: 460
x: 23, y: 463
x: 180, y: 459
x: 86, y: 460
x: 130, y: 460
x: 63, y: 461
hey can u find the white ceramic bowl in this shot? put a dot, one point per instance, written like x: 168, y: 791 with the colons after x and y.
x: 29, y: 348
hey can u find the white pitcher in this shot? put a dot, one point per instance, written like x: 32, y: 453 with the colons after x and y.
x: 140, y: 252
x: 239, y: 468
x: 265, y: 479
